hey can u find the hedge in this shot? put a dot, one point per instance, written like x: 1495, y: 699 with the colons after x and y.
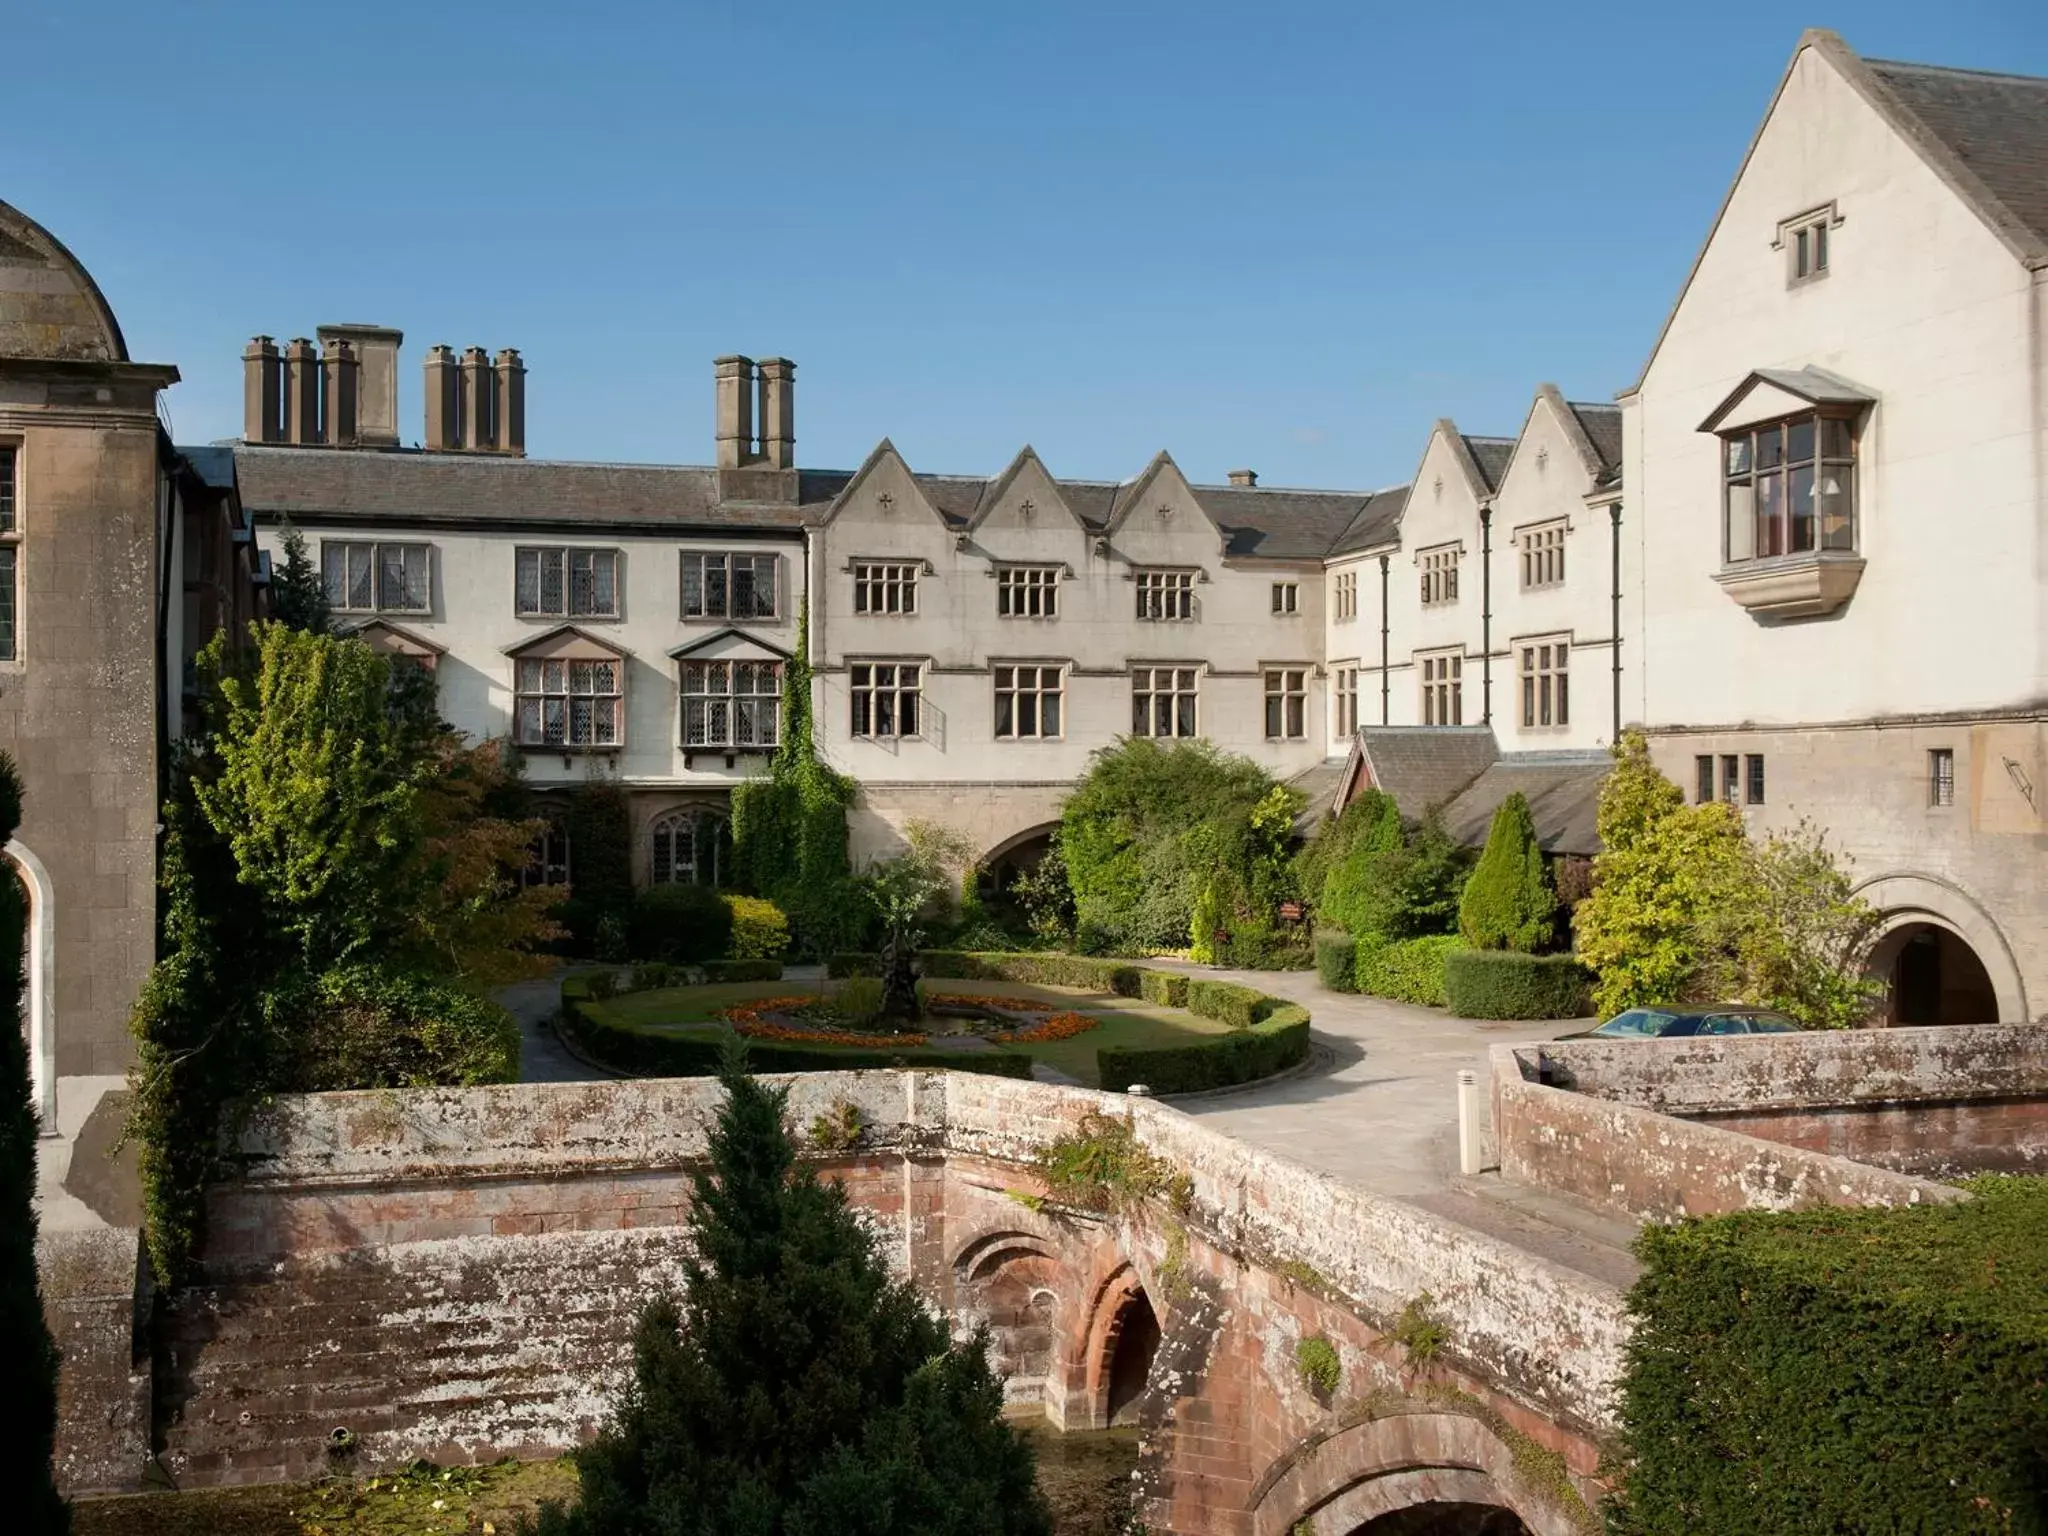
x: 1841, y: 1370
x: 1500, y: 984
x: 1337, y: 960
x: 1277, y: 1042
x: 649, y: 1053
x: 682, y: 924
x: 1228, y: 1003
x: 1409, y: 970
x: 742, y: 970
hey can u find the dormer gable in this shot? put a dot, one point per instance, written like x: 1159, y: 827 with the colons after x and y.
x: 1160, y: 521
x: 728, y: 645
x: 1553, y: 452
x: 884, y: 491
x: 567, y: 642
x: 1025, y: 497
x: 1769, y: 394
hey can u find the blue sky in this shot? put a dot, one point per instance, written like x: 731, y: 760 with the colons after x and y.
x: 1286, y: 235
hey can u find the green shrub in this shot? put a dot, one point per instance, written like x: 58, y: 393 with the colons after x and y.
x: 1083, y: 971
x: 1410, y: 971
x: 1508, y: 903
x: 653, y: 975
x: 1257, y: 945
x: 601, y: 985
x: 859, y: 999
x: 742, y: 970
x: 1227, y: 1002
x: 1274, y: 1044
x: 1315, y: 1357
x: 683, y: 924
x: 1337, y: 960
x: 1501, y: 984
x: 1167, y: 989
x: 361, y: 1027
x: 651, y: 1053
x: 839, y: 967
x: 1395, y: 884
x: 1841, y: 1370
x: 759, y: 930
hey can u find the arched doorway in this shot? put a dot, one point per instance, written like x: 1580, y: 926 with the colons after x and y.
x: 38, y: 1020
x: 1132, y: 1341
x: 1932, y: 976
x: 1445, y: 1518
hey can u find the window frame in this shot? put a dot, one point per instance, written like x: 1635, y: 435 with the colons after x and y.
x: 1703, y: 778
x: 1020, y: 582
x: 871, y: 688
x: 1441, y: 675
x: 1285, y: 689
x: 1286, y: 598
x: 1941, y: 778
x: 1752, y: 778
x: 567, y: 577
x: 1163, y: 588
x: 11, y: 549
x: 345, y: 548
x: 1805, y: 238
x: 1749, y: 473
x: 568, y: 694
x: 1145, y: 685
x: 703, y: 702
x: 1037, y: 692
x: 1543, y: 667
x: 730, y: 561
x: 1346, y: 599
x: 1541, y: 548
x: 1438, y: 567
x: 1731, y: 777
x: 549, y: 862
x: 671, y: 822
x: 878, y: 578
x: 1344, y: 698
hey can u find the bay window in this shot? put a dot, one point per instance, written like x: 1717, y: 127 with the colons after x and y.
x: 731, y: 703
x: 1789, y: 488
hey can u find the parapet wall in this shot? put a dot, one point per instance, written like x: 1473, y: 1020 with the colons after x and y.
x: 455, y: 1273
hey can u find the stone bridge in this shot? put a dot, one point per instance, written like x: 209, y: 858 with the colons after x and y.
x: 454, y: 1274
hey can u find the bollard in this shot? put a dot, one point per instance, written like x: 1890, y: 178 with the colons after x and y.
x: 1139, y: 1091
x: 1471, y: 1156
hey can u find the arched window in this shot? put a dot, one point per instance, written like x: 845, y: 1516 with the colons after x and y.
x: 548, y: 863
x: 688, y: 847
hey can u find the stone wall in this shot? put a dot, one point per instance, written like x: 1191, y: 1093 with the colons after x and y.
x: 92, y: 1304
x: 1938, y: 1102
x: 454, y: 1273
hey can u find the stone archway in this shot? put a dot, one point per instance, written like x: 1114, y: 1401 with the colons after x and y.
x: 1424, y: 1466
x: 39, y: 1020
x: 1010, y: 1282
x: 1950, y: 945
x: 1122, y: 1342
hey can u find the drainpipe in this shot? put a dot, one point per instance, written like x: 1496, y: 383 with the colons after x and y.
x: 1486, y: 614
x: 1385, y: 684
x: 1614, y: 517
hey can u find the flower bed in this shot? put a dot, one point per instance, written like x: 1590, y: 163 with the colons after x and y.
x: 747, y: 1019
x: 989, y: 1004
x: 1061, y: 1026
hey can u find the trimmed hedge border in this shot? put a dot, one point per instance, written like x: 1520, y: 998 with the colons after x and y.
x: 1407, y: 970
x: 1502, y: 984
x: 741, y: 970
x: 1268, y: 1034
x: 629, y: 1048
x: 1337, y: 960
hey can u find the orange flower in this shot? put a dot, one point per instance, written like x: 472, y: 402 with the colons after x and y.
x: 1061, y: 1026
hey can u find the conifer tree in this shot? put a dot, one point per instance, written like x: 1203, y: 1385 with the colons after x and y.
x: 298, y: 596
x: 1509, y: 902
x: 797, y: 1389
x: 25, y: 1343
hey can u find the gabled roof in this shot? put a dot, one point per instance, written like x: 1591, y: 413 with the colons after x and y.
x: 1376, y: 523
x: 1129, y: 496
x: 1985, y: 135
x: 1601, y: 424
x: 1816, y: 386
x: 1563, y: 791
x: 1420, y: 766
x: 1490, y: 456
x: 602, y: 642
x: 397, y: 632
x: 691, y: 647
x: 992, y: 492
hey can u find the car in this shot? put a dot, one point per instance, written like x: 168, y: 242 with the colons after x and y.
x: 1690, y: 1019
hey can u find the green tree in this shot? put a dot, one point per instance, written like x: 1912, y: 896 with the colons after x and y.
x: 298, y: 596
x: 1656, y: 927
x: 24, y: 1337
x: 1509, y: 903
x: 797, y: 1389
x: 1388, y: 881
x: 1799, y: 934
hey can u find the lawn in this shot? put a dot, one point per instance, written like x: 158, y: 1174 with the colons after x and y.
x: 692, y: 1012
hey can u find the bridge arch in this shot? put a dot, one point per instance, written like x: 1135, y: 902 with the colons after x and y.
x: 1912, y: 907
x: 1121, y: 1342
x: 1011, y: 1281
x: 1450, y: 1465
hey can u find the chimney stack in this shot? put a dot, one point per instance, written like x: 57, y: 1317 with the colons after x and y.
x: 479, y: 428
x: 735, y: 411
x: 302, y: 392
x: 338, y: 413
x: 1244, y: 477
x: 444, y: 402
x: 375, y: 350
x: 511, y: 410
x: 778, y: 412
x: 262, y: 392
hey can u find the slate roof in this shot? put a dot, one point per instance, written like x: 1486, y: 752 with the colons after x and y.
x: 1319, y: 786
x: 1491, y: 454
x: 1563, y: 791
x: 1995, y: 125
x: 1378, y: 521
x: 1425, y: 765
x: 1602, y: 426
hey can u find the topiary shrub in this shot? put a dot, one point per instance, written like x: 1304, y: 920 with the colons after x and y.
x: 1168, y: 989
x: 1500, y: 984
x: 1841, y: 1370
x: 1508, y: 903
x: 759, y: 930
x: 683, y: 924
x: 1239, y: 1007
x: 1410, y: 971
x: 1277, y: 1042
x: 361, y: 1027
x: 1337, y: 960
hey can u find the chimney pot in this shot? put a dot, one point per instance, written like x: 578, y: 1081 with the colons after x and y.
x: 778, y: 412
x: 262, y: 392
x: 511, y: 419
x: 302, y: 392
x: 1244, y: 477
x: 338, y: 407
x: 735, y: 411
x: 479, y: 419
x: 444, y: 403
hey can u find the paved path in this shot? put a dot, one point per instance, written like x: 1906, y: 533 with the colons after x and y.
x: 542, y: 1056
x: 1379, y: 1109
